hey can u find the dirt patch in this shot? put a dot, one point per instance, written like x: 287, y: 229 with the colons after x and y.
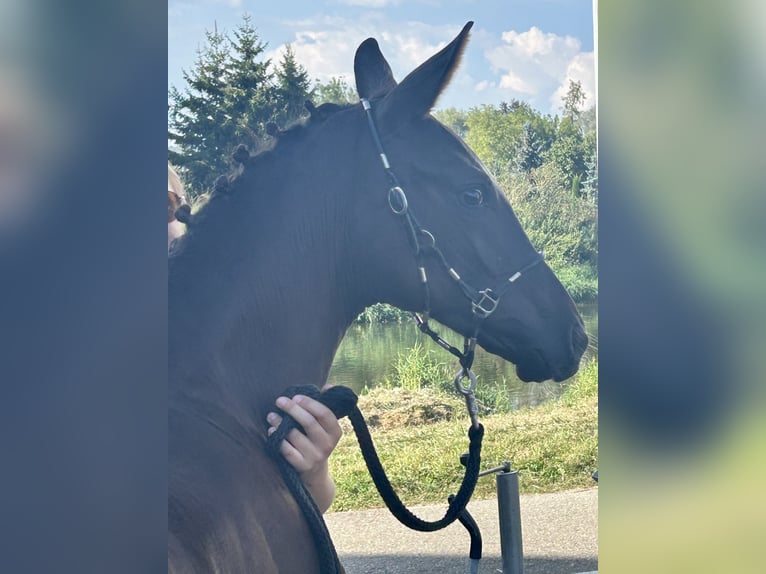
x: 394, y: 408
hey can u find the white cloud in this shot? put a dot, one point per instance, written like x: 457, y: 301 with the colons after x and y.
x: 484, y: 85
x: 514, y: 83
x: 537, y: 66
x: 370, y: 3
x: 326, y: 46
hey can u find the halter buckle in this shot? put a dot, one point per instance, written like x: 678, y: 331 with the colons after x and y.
x: 486, y: 305
x: 397, y: 200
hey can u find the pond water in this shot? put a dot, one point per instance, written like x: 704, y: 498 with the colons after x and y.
x: 367, y: 355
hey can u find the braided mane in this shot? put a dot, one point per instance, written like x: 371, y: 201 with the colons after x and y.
x: 279, y: 141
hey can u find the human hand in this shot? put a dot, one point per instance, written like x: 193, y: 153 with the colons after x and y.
x: 308, y: 453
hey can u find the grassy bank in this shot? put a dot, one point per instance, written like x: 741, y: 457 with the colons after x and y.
x: 420, y: 433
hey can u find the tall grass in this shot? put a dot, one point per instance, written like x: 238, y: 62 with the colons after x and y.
x: 584, y: 386
x: 416, y: 369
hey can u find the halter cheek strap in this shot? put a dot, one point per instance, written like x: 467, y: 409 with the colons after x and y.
x: 483, y: 302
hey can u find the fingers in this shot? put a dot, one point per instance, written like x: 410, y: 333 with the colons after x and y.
x: 274, y: 419
x: 301, y: 453
x: 308, y: 452
x: 318, y: 421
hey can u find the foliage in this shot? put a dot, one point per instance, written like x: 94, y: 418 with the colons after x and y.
x: 334, y: 91
x: 493, y: 133
x: 573, y: 101
x: 381, y: 313
x: 251, y: 98
x: 529, y: 149
x: 589, y: 188
x: 563, y: 224
x: 571, y: 152
x: 198, y: 121
x: 417, y: 369
x: 454, y: 119
x: 293, y: 88
x: 229, y: 97
x: 580, y: 281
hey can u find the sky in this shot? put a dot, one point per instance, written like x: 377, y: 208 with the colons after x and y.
x: 523, y: 49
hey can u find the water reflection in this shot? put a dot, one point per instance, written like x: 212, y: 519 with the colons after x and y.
x: 368, y: 353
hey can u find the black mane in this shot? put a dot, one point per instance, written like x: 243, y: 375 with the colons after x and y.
x: 279, y: 143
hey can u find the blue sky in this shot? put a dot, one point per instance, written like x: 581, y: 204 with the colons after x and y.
x: 524, y: 49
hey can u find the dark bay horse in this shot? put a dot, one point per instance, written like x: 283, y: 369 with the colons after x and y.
x: 276, y: 266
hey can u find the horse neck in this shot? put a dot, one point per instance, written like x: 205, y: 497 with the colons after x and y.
x: 273, y: 315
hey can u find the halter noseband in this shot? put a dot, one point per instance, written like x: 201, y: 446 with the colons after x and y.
x: 484, y: 302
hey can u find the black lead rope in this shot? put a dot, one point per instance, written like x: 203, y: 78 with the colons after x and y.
x: 342, y: 402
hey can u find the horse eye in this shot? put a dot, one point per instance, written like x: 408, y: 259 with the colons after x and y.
x: 472, y: 197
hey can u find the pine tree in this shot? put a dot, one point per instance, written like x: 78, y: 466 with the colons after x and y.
x: 230, y: 96
x: 590, y: 183
x: 251, y: 96
x: 293, y: 88
x: 528, y: 150
x: 197, y: 116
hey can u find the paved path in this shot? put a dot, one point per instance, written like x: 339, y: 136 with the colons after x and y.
x: 560, y: 536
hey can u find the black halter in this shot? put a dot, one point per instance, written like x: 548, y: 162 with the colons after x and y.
x: 483, y: 301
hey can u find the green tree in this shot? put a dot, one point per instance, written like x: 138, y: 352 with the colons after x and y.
x: 573, y: 101
x: 567, y: 153
x: 494, y: 132
x: 293, y: 88
x: 575, y: 140
x: 492, y: 135
x: 334, y: 91
x: 588, y: 120
x: 198, y: 123
x: 590, y: 183
x: 251, y: 96
x: 230, y: 96
x: 565, y: 225
x: 454, y: 119
x: 528, y: 150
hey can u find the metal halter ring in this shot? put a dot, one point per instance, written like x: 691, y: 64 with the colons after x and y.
x: 459, y: 382
x: 485, y: 306
x: 397, y: 197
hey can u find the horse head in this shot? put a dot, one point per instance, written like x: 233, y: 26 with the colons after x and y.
x: 447, y: 215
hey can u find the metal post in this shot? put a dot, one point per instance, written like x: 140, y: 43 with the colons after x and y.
x: 509, y: 510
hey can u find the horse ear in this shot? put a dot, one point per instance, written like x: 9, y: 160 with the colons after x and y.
x: 371, y: 71
x: 417, y: 93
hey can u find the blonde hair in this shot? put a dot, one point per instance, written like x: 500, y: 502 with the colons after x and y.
x: 176, y: 195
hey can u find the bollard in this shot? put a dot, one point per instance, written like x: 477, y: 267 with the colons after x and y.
x: 509, y: 510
